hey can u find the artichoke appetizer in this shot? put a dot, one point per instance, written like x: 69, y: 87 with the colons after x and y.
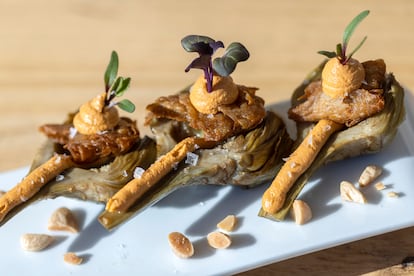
x: 221, y: 127
x: 344, y: 109
x: 89, y: 155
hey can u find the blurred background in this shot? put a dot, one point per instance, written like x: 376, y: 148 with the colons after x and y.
x: 53, y: 54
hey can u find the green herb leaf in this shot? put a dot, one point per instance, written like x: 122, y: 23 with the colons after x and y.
x: 328, y: 54
x: 111, y: 71
x: 126, y: 105
x: 122, y: 86
x: 341, y: 49
x: 349, y: 30
x: 197, y: 43
x: 357, y: 48
x: 340, y: 52
x: 235, y: 52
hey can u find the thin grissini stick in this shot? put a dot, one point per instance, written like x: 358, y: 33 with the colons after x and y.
x: 33, y: 182
x: 133, y: 190
x: 297, y: 163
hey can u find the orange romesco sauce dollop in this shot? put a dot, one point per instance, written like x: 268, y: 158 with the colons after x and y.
x: 339, y: 79
x: 224, y: 92
x: 95, y: 117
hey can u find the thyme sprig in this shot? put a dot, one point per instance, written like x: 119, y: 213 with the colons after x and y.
x: 115, y: 86
x: 341, y: 48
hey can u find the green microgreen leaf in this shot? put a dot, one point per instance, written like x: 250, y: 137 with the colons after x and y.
x: 357, y: 48
x: 197, y: 43
x: 122, y: 86
x: 235, y: 52
x: 116, y: 86
x: 328, y: 54
x: 341, y: 49
x: 349, y: 30
x: 340, y: 52
x: 111, y: 71
x: 126, y: 105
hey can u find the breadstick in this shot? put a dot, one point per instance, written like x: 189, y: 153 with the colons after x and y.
x: 125, y: 197
x: 297, y: 163
x: 33, y: 182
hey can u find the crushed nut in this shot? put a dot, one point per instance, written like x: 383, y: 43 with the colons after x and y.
x: 300, y: 212
x: 350, y: 193
x: 228, y: 223
x: 369, y: 174
x: 380, y: 186
x: 181, y: 245
x: 218, y: 240
x: 35, y: 242
x: 72, y: 258
x: 393, y: 194
x: 63, y: 220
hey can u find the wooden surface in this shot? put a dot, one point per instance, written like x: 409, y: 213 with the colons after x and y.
x: 53, y: 55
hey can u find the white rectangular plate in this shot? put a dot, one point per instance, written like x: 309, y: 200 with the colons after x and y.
x: 140, y: 247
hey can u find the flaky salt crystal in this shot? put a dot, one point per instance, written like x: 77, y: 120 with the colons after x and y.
x: 72, y: 132
x: 60, y: 177
x: 191, y: 159
x: 138, y: 172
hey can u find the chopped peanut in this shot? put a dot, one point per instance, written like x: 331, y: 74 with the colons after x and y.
x: 380, y: 186
x: 228, y: 223
x: 218, y: 240
x: 63, y: 220
x: 72, y: 258
x: 369, y: 174
x: 393, y: 194
x: 300, y: 212
x: 181, y: 245
x: 350, y: 193
x: 35, y: 242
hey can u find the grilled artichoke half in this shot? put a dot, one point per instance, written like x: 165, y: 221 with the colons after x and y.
x: 247, y: 159
x: 368, y: 136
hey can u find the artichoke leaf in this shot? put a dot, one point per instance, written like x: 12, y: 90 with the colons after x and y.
x: 369, y: 136
x: 247, y: 160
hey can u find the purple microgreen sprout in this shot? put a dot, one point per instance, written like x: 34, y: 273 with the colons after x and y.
x: 116, y: 86
x: 341, y: 48
x: 206, y: 47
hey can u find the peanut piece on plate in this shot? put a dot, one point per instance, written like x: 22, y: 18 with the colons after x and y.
x: 350, y: 193
x: 393, y: 194
x: 181, y: 245
x: 218, y: 240
x: 380, y: 186
x: 63, y: 220
x: 300, y: 212
x: 369, y: 174
x: 35, y: 242
x: 228, y: 223
x: 72, y: 258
